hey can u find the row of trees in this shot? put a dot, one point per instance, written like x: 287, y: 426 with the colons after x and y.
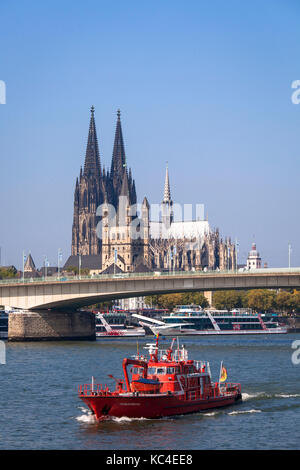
x: 259, y: 300
x: 169, y: 301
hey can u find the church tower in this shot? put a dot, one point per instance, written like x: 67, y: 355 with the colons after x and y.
x: 89, y: 194
x: 167, y: 204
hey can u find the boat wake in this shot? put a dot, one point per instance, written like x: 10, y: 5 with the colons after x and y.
x: 125, y: 419
x: 250, y: 396
x: 284, y: 395
x: 264, y: 395
x: 244, y: 412
x: 86, y: 417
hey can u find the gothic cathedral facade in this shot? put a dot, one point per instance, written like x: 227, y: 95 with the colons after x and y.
x: 106, y: 221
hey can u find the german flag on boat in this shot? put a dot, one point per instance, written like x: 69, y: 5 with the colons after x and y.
x: 223, y: 373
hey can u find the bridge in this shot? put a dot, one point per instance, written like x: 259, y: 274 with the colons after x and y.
x: 51, y: 297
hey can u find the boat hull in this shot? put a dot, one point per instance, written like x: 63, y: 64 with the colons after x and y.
x: 152, y: 407
x: 118, y: 334
x: 186, y: 332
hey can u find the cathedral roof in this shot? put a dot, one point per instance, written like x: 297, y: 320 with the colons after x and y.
x: 87, y: 261
x: 179, y: 230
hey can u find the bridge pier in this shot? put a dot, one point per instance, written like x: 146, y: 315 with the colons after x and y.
x: 50, y: 325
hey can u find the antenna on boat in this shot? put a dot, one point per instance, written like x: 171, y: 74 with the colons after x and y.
x: 171, y: 349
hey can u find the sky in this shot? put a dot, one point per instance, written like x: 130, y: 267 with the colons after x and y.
x: 204, y: 85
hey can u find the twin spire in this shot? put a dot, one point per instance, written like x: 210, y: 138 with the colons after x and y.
x: 117, y: 180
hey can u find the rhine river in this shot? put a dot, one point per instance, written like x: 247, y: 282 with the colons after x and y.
x: 40, y: 408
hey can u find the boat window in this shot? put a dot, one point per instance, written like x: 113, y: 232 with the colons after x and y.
x: 161, y: 370
x: 170, y: 370
x: 151, y: 370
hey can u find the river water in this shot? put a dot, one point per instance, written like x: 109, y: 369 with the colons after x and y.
x: 40, y: 408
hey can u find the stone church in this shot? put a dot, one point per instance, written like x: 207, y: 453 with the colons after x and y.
x: 112, y: 233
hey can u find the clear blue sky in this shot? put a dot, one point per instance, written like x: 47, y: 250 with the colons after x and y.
x: 204, y: 85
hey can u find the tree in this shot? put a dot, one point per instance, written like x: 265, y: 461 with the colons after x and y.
x: 72, y: 269
x: 262, y: 300
x: 284, y: 301
x: 228, y: 299
x: 151, y: 300
x: 295, y: 301
x: 169, y: 301
x: 8, y: 272
x: 195, y: 298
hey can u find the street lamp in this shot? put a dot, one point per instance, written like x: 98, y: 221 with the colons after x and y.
x: 46, y: 264
x: 59, y: 258
x: 290, y: 251
x: 24, y: 260
x: 236, y: 253
x: 115, y: 259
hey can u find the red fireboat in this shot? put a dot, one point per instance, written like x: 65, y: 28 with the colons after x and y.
x: 166, y: 384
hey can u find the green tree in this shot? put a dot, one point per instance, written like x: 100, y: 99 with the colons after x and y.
x: 8, y: 273
x: 195, y: 298
x: 151, y: 300
x: 169, y: 301
x: 295, y: 301
x: 262, y: 300
x: 284, y: 301
x: 72, y: 269
x: 227, y: 300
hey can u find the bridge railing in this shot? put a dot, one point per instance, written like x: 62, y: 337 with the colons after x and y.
x: 155, y: 274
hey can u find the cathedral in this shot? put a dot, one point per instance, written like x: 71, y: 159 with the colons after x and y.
x: 112, y: 233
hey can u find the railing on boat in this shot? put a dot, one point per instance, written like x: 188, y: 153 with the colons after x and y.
x: 211, y: 391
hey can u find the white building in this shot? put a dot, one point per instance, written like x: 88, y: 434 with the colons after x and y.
x: 133, y: 303
x: 253, y: 260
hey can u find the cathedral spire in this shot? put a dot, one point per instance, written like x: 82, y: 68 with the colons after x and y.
x: 167, y: 191
x: 92, y: 165
x: 167, y: 203
x: 118, y: 158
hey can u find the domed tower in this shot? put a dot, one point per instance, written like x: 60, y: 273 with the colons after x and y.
x: 253, y: 260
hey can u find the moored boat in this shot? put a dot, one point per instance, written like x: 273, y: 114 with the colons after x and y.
x: 117, y: 330
x: 165, y: 384
x: 190, y: 320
